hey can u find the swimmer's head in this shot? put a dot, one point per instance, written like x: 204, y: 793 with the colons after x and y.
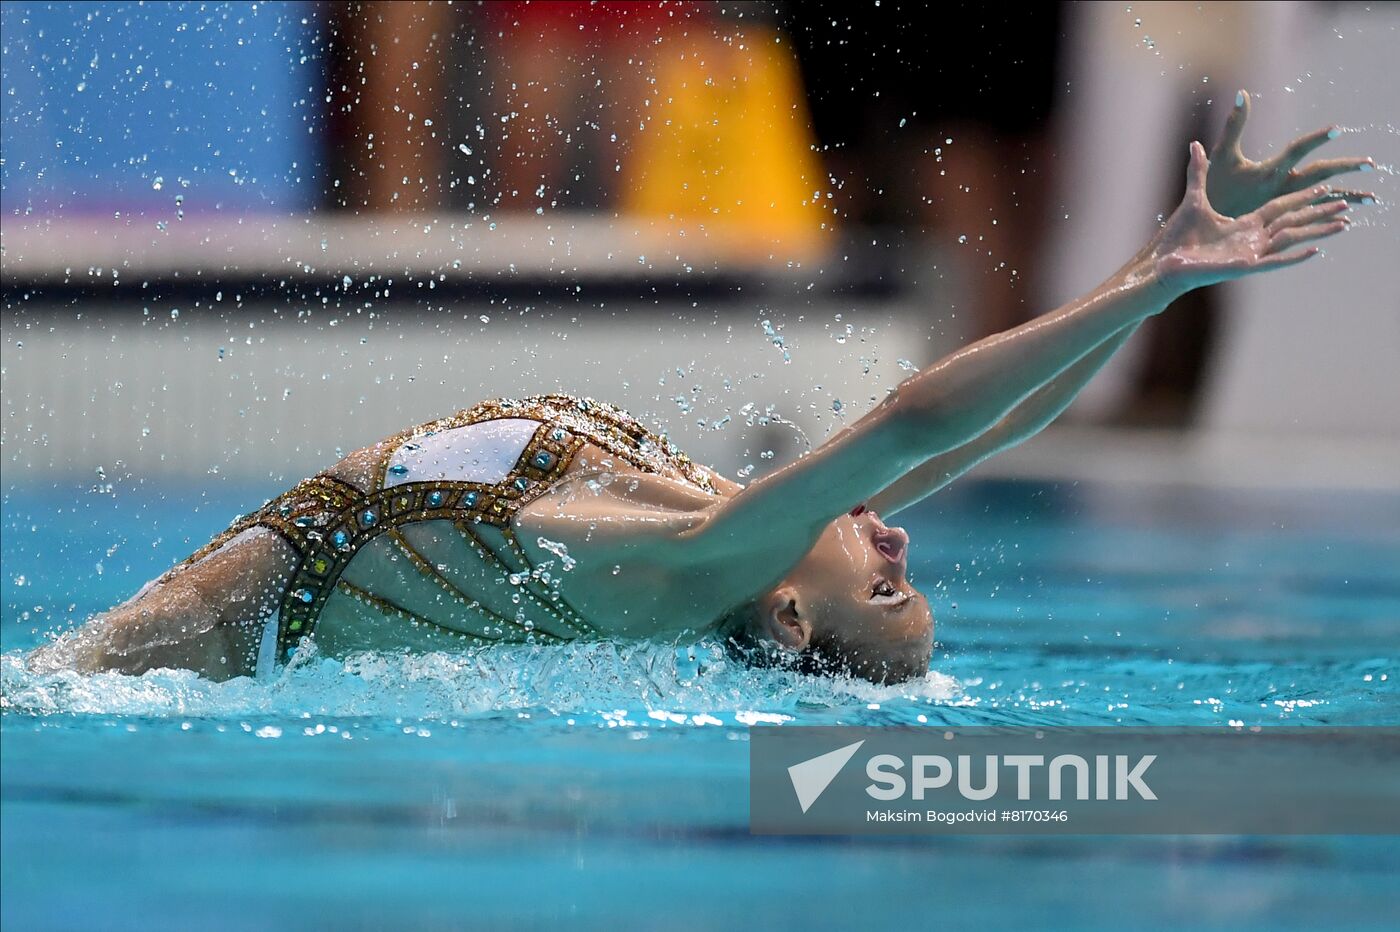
x: 848, y: 607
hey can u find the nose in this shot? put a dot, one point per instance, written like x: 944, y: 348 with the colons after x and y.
x: 891, y: 542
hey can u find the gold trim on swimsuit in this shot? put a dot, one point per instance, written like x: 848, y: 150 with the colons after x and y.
x: 465, y: 601
x: 328, y: 520
x: 386, y: 607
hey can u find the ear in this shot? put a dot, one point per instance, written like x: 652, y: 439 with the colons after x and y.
x: 783, y: 623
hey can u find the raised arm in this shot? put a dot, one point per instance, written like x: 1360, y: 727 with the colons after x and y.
x: 1239, y: 184
x: 1024, y: 421
x: 773, y: 522
x: 1236, y: 184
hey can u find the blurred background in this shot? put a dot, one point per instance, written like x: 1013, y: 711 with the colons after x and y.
x: 241, y: 239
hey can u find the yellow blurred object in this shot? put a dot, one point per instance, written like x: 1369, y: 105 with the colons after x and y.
x: 727, y: 140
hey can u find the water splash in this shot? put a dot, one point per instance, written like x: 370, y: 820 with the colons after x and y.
x: 595, y: 681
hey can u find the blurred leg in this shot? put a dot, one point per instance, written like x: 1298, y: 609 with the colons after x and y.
x: 396, y: 51
x: 536, y: 90
x: 1115, y: 148
x: 977, y: 201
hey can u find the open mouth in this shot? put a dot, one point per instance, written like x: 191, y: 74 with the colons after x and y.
x: 888, y: 595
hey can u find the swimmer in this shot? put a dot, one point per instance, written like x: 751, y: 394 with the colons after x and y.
x: 552, y: 518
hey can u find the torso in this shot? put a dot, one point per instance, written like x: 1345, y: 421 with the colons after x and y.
x: 497, y: 524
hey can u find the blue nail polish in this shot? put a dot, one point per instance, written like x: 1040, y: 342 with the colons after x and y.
x: 1367, y: 167
x: 1367, y: 201
x: 1239, y: 98
x: 1333, y: 133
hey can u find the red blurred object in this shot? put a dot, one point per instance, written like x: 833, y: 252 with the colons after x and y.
x: 594, y: 17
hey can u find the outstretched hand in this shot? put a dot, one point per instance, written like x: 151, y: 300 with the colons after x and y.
x: 1239, y: 184
x: 1200, y: 246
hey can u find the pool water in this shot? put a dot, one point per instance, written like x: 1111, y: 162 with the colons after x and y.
x: 606, y: 784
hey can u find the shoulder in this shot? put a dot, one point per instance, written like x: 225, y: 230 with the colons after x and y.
x: 611, y: 507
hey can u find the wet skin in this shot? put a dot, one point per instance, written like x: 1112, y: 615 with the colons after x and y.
x: 820, y: 573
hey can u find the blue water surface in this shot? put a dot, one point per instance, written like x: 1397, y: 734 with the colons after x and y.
x: 606, y: 784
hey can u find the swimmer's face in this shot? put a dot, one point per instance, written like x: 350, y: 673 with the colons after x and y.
x: 849, y: 606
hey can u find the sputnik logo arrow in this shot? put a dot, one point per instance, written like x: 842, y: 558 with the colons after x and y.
x: 811, y: 777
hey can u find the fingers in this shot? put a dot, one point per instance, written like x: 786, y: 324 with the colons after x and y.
x: 1295, y: 201
x: 1234, y: 124
x: 1314, y: 213
x: 1284, y: 260
x: 1327, y: 168
x: 1196, y: 171
x: 1287, y: 239
x: 1303, y: 146
x: 1365, y: 198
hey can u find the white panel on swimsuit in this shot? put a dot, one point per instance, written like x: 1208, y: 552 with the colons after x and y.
x: 484, y: 452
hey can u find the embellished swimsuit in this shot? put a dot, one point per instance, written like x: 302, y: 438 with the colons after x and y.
x: 429, y: 549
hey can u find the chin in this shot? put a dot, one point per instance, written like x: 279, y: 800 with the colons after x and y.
x: 884, y: 662
x: 898, y: 666
x: 902, y: 673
